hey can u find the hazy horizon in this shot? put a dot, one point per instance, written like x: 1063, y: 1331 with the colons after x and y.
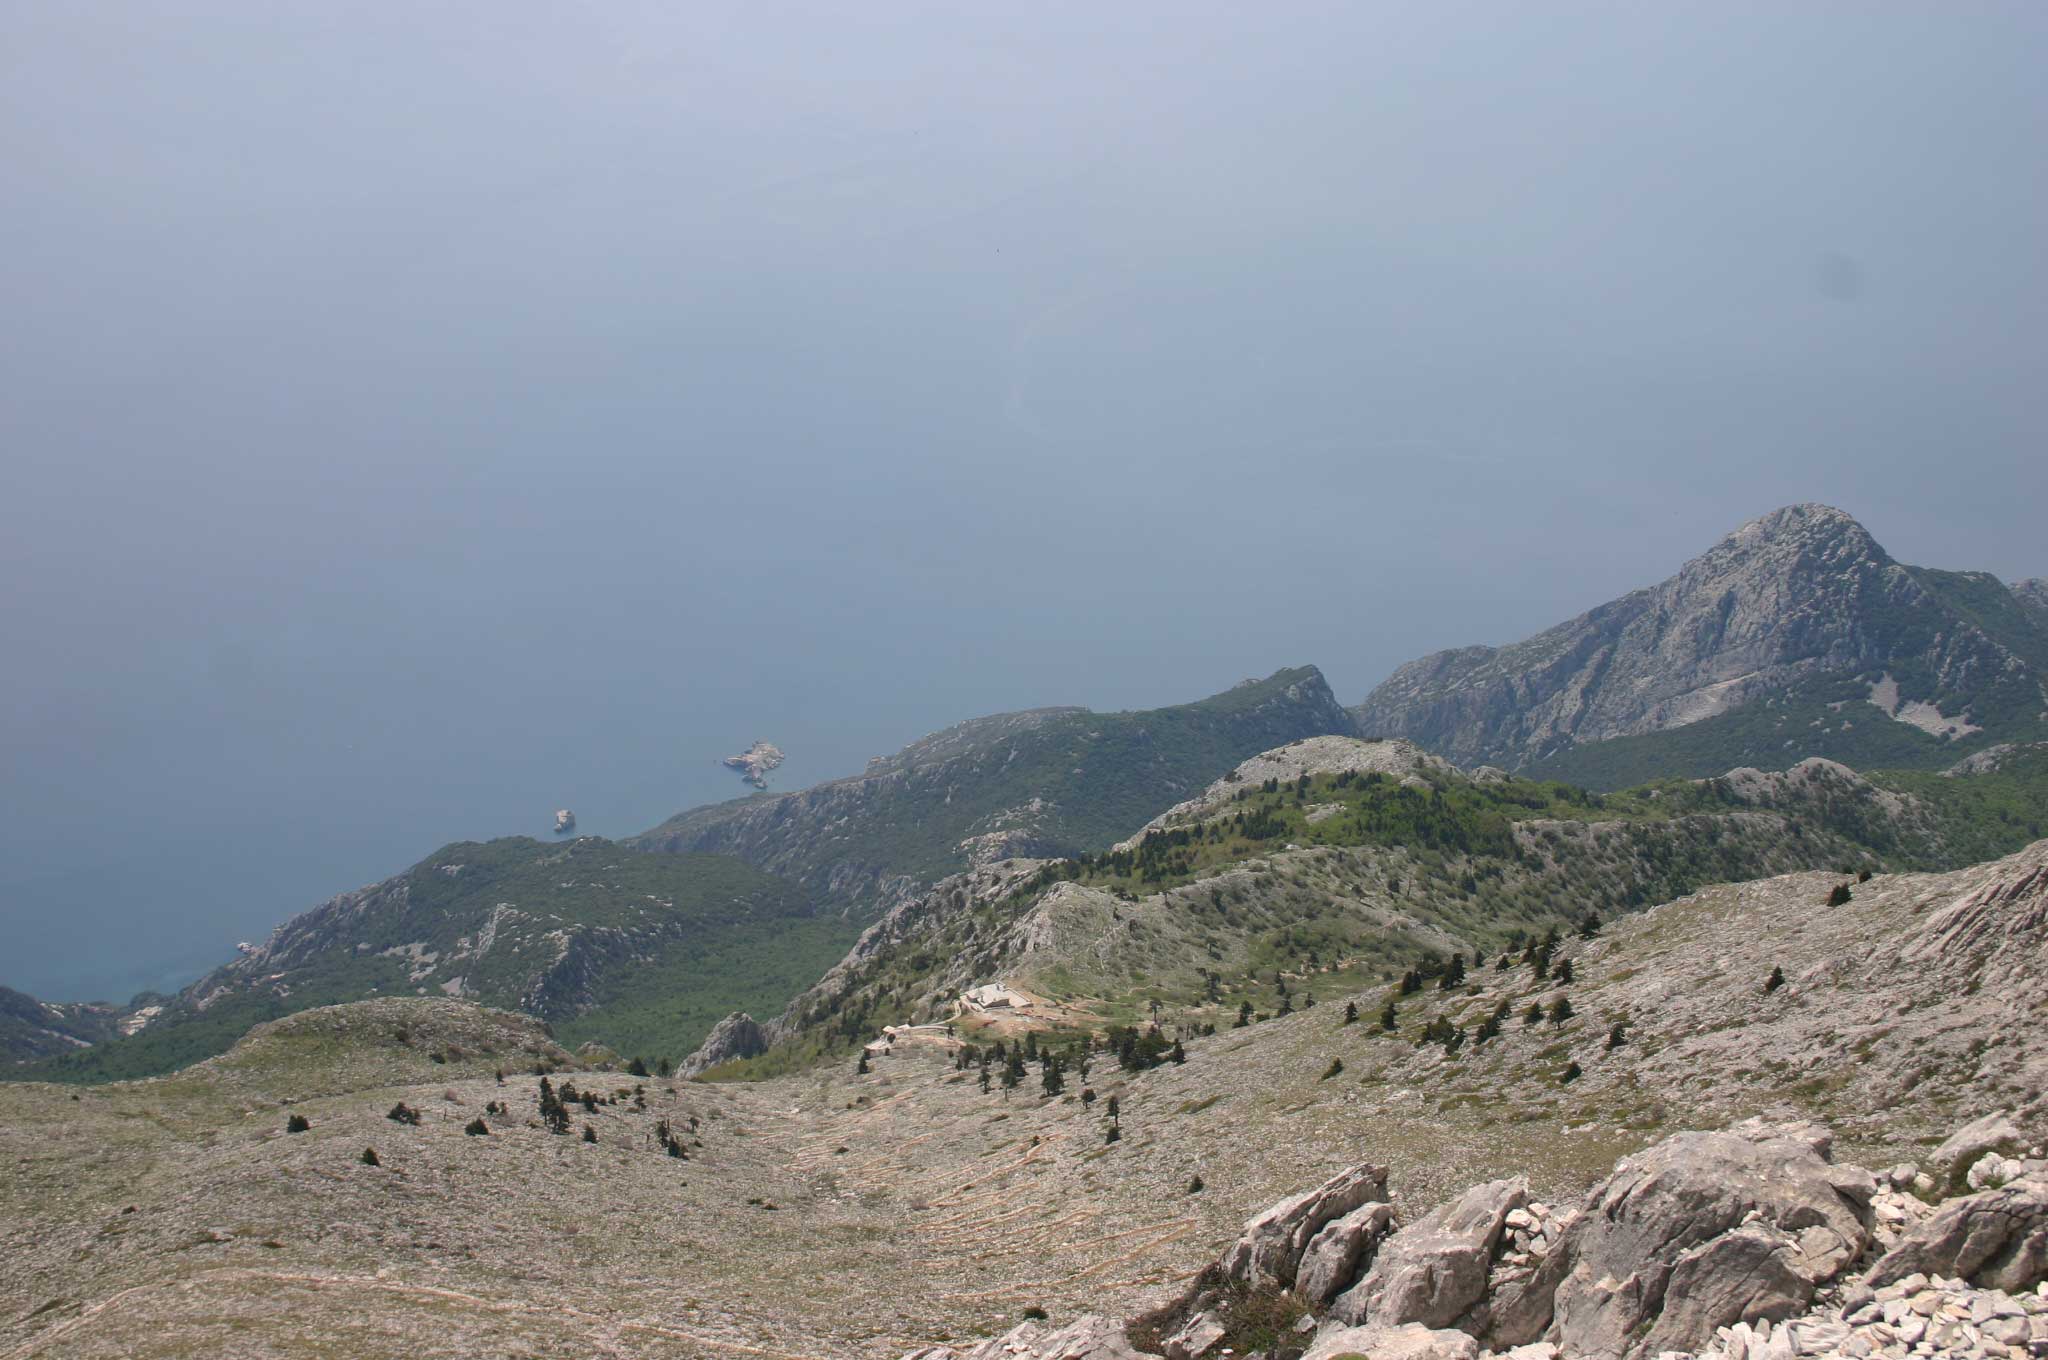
x: 419, y: 421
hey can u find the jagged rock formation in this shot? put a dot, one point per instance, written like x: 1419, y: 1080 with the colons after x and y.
x: 736, y: 1036
x: 1700, y: 1232
x: 1997, y: 1236
x: 1434, y: 1272
x: 1801, y: 608
x: 1273, y: 1244
x: 1048, y: 781
x: 756, y: 763
x: 1700, y: 1243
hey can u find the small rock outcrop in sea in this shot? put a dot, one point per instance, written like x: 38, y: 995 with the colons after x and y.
x: 565, y: 821
x: 754, y: 763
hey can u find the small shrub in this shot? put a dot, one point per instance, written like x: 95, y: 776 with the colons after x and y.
x: 476, y: 1128
x: 402, y: 1113
x: 589, y: 1134
x: 298, y: 1123
x: 1195, y: 1186
x: 1036, y: 1314
x: 369, y: 1157
x: 1839, y: 896
x: 1336, y: 1066
x: 1571, y: 1074
x: 1774, y: 981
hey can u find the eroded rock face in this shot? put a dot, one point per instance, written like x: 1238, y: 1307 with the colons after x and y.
x: 1341, y: 1252
x: 1273, y: 1242
x: 1747, y: 1275
x: 1747, y: 1222
x: 736, y: 1036
x: 1434, y: 1272
x: 1995, y: 1238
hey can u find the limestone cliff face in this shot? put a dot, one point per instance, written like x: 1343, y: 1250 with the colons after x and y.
x: 735, y: 1037
x: 1803, y: 593
x: 1045, y: 782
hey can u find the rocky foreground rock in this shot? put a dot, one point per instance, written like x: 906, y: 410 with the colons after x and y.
x: 1743, y: 1244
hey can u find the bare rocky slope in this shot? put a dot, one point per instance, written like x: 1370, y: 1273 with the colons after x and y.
x: 1051, y: 781
x: 1796, y: 635
x: 642, y: 952
x: 839, y: 1213
x: 1317, y: 852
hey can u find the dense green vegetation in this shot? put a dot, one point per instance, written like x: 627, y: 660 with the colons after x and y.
x: 1982, y: 816
x: 664, y: 1008
x: 1447, y: 815
x: 29, y: 1028
x: 642, y: 953
x: 1830, y: 718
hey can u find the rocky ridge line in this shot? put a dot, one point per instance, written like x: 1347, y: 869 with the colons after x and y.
x: 1801, y: 593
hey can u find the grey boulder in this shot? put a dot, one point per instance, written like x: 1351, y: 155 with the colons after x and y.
x: 1435, y: 1271
x: 1272, y: 1243
x: 1336, y: 1255
x: 1645, y: 1257
x: 1997, y: 1239
x: 1993, y: 1133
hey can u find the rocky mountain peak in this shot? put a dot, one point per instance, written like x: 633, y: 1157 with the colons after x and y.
x: 736, y: 1036
x: 1808, y: 521
x: 1798, y: 598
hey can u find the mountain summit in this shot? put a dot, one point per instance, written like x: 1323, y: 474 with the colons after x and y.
x: 1858, y: 656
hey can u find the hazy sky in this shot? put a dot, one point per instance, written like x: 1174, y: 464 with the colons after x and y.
x: 419, y: 417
